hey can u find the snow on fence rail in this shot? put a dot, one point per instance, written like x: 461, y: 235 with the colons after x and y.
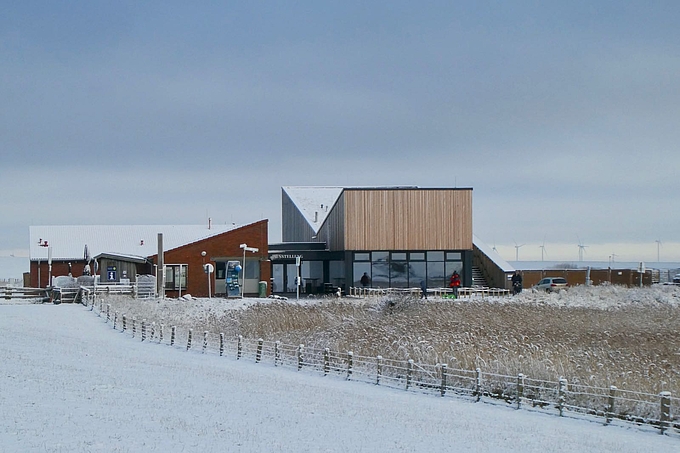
x: 559, y: 398
x: 470, y: 292
x: 15, y: 292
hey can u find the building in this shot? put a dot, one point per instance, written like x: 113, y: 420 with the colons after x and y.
x: 118, y: 253
x: 398, y: 236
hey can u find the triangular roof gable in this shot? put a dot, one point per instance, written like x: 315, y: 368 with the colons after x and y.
x: 314, y: 203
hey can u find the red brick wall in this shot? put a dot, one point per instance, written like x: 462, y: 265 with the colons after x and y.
x: 223, y: 245
x: 58, y: 268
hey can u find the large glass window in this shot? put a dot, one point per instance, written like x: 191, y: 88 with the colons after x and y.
x: 436, y: 275
x: 399, y: 274
x: 380, y: 256
x: 454, y: 266
x: 336, y: 271
x: 277, y: 276
x: 435, y: 256
x: 358, y: 271
x: 417, y: 272
x: 291, y: 273
x: 401, y: 269
x: 380, y: 274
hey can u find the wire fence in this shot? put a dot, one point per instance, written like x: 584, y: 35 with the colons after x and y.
x: 611, y: 405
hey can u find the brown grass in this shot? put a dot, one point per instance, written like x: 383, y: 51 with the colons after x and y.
x: 635, y: 347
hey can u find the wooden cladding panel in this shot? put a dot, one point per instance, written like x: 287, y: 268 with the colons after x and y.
x: 408, y: 219
x: 294, y: 226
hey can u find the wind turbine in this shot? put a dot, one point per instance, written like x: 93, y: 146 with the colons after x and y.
x: 658, y: 246
x: 517, y: 250
x: 581, y: 248
x: 542, y: 247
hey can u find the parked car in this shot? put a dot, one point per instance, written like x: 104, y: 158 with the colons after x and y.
x: 676, y: 279
x: 551, y: 284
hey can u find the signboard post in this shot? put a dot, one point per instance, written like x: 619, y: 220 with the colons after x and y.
x: 297, y: 277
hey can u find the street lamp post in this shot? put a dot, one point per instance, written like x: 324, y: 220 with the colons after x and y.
x: 207, y: 268
x: 249, y: 249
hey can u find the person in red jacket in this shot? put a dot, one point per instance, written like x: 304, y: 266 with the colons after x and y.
x: 455, y: 283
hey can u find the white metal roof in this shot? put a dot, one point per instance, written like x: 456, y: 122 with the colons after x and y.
x: 492, y: 254
x: 68, y: 241
x: 314, y: 203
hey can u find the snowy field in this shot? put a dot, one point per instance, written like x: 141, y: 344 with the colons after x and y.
x: 70, y: 383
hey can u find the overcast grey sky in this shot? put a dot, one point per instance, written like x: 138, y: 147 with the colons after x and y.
x: 562, y: 116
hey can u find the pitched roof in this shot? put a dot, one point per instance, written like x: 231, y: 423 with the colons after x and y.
x: 68, y: 241
x: 314, y: 203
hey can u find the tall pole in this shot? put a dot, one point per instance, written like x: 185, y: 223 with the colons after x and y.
x: 243, y: 286
x: 49, y: 266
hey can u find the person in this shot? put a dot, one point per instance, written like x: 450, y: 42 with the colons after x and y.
x: 455, y: 283
x: 516, y: 283
x: 423, y: 289
x: 365, y: 280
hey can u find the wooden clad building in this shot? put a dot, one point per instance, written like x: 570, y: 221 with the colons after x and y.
x: 397, y: 235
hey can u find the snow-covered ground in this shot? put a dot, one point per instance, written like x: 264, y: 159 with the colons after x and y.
x: 70, y: 383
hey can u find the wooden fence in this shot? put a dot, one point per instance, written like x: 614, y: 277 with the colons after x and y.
x: 13, y: 293
x: 437, y: 292
x: 562, y: 398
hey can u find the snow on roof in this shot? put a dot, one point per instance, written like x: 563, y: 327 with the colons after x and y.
x: 314, y: 203
x: 68, y: 241
x: 492, y: 254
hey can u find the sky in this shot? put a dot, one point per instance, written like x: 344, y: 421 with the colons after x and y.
x: 562, y: 116
x: 72, y: 383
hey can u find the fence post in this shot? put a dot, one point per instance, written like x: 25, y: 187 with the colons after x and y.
x: 258, y: 354
x: 115, y: 319
x: 378, y: 367
x: 160, y: 334
x: 300, y: 356
x: 409, y: 373
x: 153, y: 330
x: 239, y: 347
x: 108, y: 316
x: 143, y: 329
x: 665, y: 411
x: 191, y: 331
x: 205, y: 341
x: 350, y: 356
x: 478, y: 384
x: 101, y: 306
x: 326, y: 361
x: 173, y: 333
x: 562, y: 395
x: 610, y: 404
x: 277, y: 352
x: 520, y: 389
x: 443, y: 386
x: 93, y: 301
x: 124, y: 322
x: 221, y: 344
x: 134, y: 327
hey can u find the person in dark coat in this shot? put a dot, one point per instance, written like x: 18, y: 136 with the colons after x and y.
x: 365, y: 280
x: 423, y: 289
x: 516, y: 283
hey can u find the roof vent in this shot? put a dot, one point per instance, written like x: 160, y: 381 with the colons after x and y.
x: 316, y: 216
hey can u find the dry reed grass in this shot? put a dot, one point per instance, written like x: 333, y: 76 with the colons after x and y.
x: 635, y: 347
